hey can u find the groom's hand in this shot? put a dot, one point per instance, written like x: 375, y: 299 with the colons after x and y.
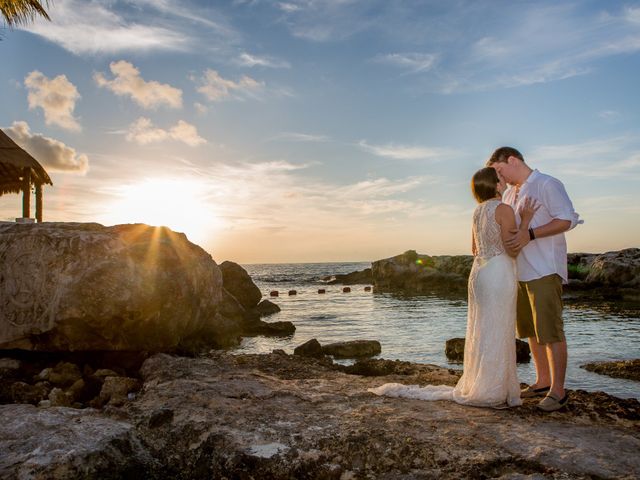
x: 519, y: 239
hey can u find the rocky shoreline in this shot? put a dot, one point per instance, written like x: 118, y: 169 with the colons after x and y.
x: 629, y: 369
x: 278, y: 416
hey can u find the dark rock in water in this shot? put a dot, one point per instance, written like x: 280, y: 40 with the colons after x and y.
x: 274, y: 329
x: 629, y: 369
x: 83, y: 286
x: 293, y: 292
x: 454, y: 350
x: 353, y: 349
x: 266, y: 308
x: 238, y: 283
x: 312, y: 348
x: 362, y: 277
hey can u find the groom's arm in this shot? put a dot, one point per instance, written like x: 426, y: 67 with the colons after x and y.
x: 521, y: 238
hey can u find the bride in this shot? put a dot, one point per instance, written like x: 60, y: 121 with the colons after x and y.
x: 489, y: 371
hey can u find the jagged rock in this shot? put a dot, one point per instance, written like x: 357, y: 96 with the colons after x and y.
x: 115, y: 390
x: 60, y: 398
x: 63, y: 374
x: 83, y: 286
x: 66, y: 444
x: 284, y: 416
x: 238, y: 283
x: 353, y: 349
x: 362, y: 277
x: 266, y: 308
x: 454, y: 350
x: 22, y: 392
x: 618, y: 269
x: 311, y: 348
x: 629, y: 369
x: 102, y: 373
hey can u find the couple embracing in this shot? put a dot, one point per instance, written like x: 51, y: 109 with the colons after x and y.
x: 520, y: 264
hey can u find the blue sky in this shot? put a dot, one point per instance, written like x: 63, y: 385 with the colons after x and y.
x: 326, y: 130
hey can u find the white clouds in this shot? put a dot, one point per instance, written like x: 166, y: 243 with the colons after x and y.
x: 56, y: 97
x: 301, y: 137
x: 83, y: 27
x: 248, y: 60
x: 52, y: 154
x: 128, y: 82
x: 414, y: 62
x: 404, y: 152
x: 143, y: 132
x: 214, y: 87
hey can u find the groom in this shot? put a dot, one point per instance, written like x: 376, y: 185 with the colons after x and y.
x: 542, y: 269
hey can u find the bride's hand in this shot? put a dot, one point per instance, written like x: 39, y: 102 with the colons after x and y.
x: 527, y: 209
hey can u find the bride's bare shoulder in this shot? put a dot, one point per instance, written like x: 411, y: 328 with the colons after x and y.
x: 504, y: 210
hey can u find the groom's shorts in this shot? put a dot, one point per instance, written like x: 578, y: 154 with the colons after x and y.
x: 540, y: 309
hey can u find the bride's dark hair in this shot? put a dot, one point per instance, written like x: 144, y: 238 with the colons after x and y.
x: 484, y: 184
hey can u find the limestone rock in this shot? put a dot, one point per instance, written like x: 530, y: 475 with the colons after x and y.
x: 454, y: 350
x: 414, y: 273
x: 65, y: 444
x: 238, y: 283
x: 619, y: 369
x: 311, y: 348
x: 115, y: 390
x: 63, y: 374
x: 353, y: 349
x: 83, y: 286
x: 620, y: 269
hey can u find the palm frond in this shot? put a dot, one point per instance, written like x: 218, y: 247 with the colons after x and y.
x: 22, y: 12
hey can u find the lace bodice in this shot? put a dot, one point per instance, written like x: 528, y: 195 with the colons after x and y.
x: 486, y: 230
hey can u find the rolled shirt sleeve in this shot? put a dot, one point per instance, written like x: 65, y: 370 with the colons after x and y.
x: 558, y: 202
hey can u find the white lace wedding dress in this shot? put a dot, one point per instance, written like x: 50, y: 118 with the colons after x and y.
x: 489, y: 376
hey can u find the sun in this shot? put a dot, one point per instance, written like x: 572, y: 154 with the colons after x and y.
x: 178, y: 204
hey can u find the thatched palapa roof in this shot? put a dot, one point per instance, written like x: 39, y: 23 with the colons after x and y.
x: 13, y: 161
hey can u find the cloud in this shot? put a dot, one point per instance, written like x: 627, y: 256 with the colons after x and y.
x: 403, y: 152
x: 57, y: 97
x: 215, y: 88
x: 413, y: 62
x: 89, y: 28
x: 143, y: 132
x: 128, y: 82
x: 201, y: 109
x: 247, y: 60
x: 301, y: 137
x: 52, y: 154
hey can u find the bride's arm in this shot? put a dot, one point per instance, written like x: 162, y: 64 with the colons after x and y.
x: 506, y: 218
x: 474, y: 249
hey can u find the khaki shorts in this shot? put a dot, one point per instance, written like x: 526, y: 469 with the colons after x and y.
x: 540, y: 309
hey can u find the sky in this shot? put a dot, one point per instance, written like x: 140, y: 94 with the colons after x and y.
x: 324, y: 130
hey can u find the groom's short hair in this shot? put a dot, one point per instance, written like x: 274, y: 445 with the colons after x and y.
x: 502, y: 154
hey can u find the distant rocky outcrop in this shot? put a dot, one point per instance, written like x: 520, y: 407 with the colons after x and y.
x: 414, y: 273
x: 629, y: 369
x: 607, y: 276
x: 362, y: 277
x: 454, y: 350
x: 352, y: 349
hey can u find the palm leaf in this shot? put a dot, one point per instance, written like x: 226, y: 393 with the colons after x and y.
x: 22, y: 12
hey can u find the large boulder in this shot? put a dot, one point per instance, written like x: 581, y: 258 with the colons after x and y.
x: 616, y: 269
x: 238, y: 283
x: 83, y: 286
x: 362, y: 277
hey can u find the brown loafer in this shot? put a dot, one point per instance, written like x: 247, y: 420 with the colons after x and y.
x: 534, y: 392
x: 551, y: 402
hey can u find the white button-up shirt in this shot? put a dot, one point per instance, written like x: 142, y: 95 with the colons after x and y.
x: 548, y: 255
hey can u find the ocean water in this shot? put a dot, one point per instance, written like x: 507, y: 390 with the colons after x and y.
x: 415, y: 328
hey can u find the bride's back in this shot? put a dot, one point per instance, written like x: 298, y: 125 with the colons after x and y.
x: 486, y: 230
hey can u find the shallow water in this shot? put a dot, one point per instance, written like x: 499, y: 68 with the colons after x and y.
x: 416, y: 328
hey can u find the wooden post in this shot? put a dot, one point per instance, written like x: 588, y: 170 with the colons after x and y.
x: 38, y: 202
x: 26, y: 192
